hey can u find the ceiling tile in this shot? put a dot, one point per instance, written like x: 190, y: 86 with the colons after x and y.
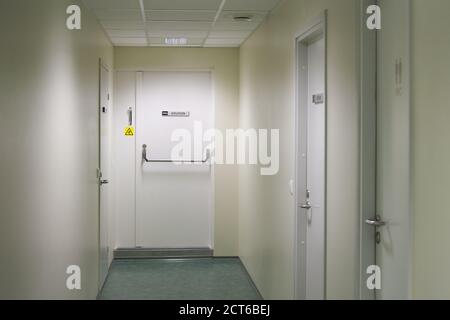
x: 191, y: 19
x: 180, y: 15
x: 256, y: 5
x: 156, y: 41
x: 125, y: 41
x: 182, y: 4
x: 112, y: 4
x: 195, y: 41
x: 235, y: 26
x: 114, y: 14
x: 177, y: 25
x: 177, y: 34
x: 230, y: 34
x: 211, y: 42
x: 228, y: 16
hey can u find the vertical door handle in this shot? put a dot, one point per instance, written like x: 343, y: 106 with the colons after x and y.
x: 130, y: 116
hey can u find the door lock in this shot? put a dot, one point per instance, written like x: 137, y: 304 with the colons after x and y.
x: 307, y: 205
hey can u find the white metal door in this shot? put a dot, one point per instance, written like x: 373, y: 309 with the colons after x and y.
x: 315, y: 234
x: 312, y: 150
x: 174, y: 202
x: 104, y: 173
x: 393, y: 149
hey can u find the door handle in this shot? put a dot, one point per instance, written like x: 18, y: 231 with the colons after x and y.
x: 306, y: 206
x: 130, y: 116
x: 376, y: 223
x: 102, y: 182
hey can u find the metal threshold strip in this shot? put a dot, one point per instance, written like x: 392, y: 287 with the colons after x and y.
x: 148, y: 253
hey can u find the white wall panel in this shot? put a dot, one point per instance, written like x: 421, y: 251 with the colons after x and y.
x: 49, y: 124
x: 268, y: 101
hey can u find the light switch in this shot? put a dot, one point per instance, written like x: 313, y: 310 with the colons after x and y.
x: 291, y: 187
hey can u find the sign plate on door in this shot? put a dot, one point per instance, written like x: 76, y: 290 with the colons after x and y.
x: 318, y: 98
x: 183, y: 114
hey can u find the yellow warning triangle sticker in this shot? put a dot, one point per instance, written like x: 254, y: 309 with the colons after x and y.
x: 129, y: 131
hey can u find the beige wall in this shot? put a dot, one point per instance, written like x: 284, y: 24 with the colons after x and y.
x: 225, y: 63
x: 266, y: 208
x: 431, y: 149
x: 49, y: 149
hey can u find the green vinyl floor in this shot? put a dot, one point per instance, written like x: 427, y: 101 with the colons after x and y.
x: 178, y: 279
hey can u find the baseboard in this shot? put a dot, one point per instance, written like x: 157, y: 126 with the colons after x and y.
x: 149, y: 253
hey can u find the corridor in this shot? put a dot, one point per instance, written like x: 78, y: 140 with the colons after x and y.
x: 210, y: 150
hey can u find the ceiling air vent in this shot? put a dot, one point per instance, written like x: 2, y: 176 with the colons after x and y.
x: 243, y: 17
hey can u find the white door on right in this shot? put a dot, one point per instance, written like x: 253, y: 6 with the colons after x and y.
x: 311, y: 166
x: 393, y: 241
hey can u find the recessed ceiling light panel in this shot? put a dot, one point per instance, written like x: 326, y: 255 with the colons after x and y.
x: 176, y: 41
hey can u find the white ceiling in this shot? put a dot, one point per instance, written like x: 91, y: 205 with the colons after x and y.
x: 204, y: 23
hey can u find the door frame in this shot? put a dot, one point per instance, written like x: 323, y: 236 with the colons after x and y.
x: 101, y: 65
x: 316, y: 27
